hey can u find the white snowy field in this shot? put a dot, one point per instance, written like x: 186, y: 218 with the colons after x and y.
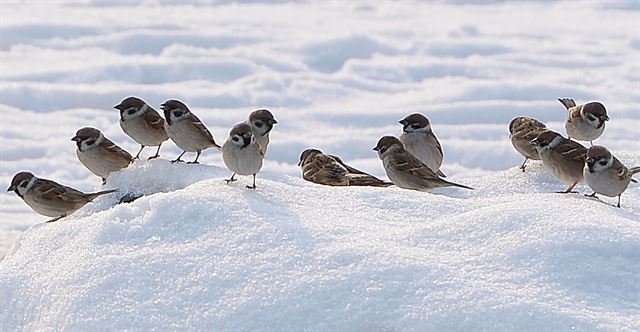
x: 337, y: 76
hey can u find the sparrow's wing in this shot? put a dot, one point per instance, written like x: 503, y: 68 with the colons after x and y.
x: 574, y: 113
x: 153, y: 119
x: 360, y: 178
x: 48, y: 190
x: 620, y: 170
x: 112, y: 147
x: 347, y: 167
x: 408, y: 163
x: 324, y: 169
x: 199, y: 126
x: 525, y: 128
x: 572, y: 150
x: 432, y: 139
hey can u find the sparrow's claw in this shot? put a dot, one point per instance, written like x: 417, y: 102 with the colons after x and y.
x: 251, y: 187
x: 230, y: 180
x: 567, y: 192
x: 177, y: 161
x: 592, y: 195
x: 193, y: 162
x: 153, y: 157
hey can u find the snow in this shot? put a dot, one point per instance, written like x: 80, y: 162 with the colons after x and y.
x: 196, y: 253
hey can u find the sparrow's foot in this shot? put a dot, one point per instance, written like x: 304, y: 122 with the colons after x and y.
x: 251, y: 187
x: 522, y: 168
x: 56, y: 219
x: 153, y: 157
x: 193, y: 162
x: 567, y: 192
x: 592, y: 195
x: 230, y: 180
x: 104, y: 181
x: 177, y: 161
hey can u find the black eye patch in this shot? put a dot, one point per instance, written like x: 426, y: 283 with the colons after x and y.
x: 591, y: 118
x: 258, y: 124
x: 90, y: 142
x: 131, y: 111
x: 177, y: 113
x: 603, y: 163
x: 415, y: 126
x: 235, y: 138
x: 24, y: 184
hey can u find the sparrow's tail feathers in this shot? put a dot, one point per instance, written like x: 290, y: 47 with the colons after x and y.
x: 456, y: 184
x: 367, y: 180
x: 92, y: 196
x: 634, y: 170
x: 567, y: 102
x: 441, y: 174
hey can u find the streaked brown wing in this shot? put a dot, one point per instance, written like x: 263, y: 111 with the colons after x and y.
x: 324, y: 169
x: 201, y: 128
x: 112, y: 147
x: 50, y: 190
x: 572, y: 150
x: 406, y: 162
x: 154, y: 120
x: 347, y: 167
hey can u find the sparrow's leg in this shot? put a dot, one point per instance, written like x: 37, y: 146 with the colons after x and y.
x: 232, y: 179
x: 569, y: 190
x: 619, y: 200
x: 196, y: 160
x: 591, y: 142
x: 138, y: 155
x: 157, y: 153
x: 104, y: 181
x: 57, y: 218
x: 524, y: 163
x: 178, y: 159
x: 254, y: 183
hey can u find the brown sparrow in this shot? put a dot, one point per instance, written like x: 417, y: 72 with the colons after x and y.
x: 605, y: 174
x: 261, y: 122
x: 330, y: 170
x: 405, y: 170
x: 584, y: 122
x: 561, y: 157
x: 99, y: 154
x: 142, y: 123
x: 186, y: 130
x: 49, y: 198
x: 420, y: 141
x: 523, y: 130
x: 242, y: 154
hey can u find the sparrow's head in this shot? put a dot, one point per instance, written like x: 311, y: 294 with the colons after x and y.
x: 87, y: 138
x: 131, y: 107
x: 388, y: 144
x: 598, y: 158
x: 547, y: 140
x: 415, y: 122
x: 21, y: 183
x: 262, y: 121
x: 307, y: 154
x: 594, y: 113
x: 241, y: 135
x: 174, y: 110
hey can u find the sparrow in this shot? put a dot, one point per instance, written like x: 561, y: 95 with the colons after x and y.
x: 50, y: 198
x: 330, y: 170
x: 522, y: 130
x: 261, y: 122
x: 186, y: 130
x: 99, y: 154
x: 405, y: 170
x: 242, y: 154
x: 605, y: 174
x: 561, y: 157
x: 142, y: 123
x: 419, y: 140
x: 584, y: 122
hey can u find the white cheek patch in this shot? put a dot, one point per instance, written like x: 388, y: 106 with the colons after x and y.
x: 22, y: 190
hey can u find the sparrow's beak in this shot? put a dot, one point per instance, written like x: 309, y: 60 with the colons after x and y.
x: 118, y: 107
x: 605, y: 118
x: 300, y: 162
x: 273, y: 121
x: 375, y: 148
x: 163, y: 106
x: 76, y: 139
x: 403, y: 122
x: 11, y: 188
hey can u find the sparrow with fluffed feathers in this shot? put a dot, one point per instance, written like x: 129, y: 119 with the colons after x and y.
x: 186, y: 130
x: 584, y: 122
x: 261, y: 122
x: 50, y: 198
x: 522, y: 131
x: 100, y: 155
x: 330, y: 170
x: 405, y: 170
x: 561, y: 157
x: 241, y: 154
x: 605, y: 174
x: 142, y: 123
x: 418, y: 138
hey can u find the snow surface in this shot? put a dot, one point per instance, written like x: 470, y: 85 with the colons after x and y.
x: 337, y: 76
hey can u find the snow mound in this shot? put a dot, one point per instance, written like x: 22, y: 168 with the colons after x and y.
x: 195, y: 253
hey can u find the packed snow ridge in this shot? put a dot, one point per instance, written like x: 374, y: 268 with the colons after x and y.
x: 195, y: 253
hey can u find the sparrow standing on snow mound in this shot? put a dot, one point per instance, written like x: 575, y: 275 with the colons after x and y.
x: 49, y: 198
x: 186, y: 130
x: 584, y: 122
x: 242, y: 154
x: 405, y: 170
x: 261, y: 122
x: 142, y: 123
x: 605, y: 174
x: 419, y: 140
x: 561, y: 157
x: 99, y: 154
x: 523, y: 130
x: 330, y: 170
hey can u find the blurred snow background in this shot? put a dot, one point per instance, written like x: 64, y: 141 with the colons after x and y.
x: 337, y: 76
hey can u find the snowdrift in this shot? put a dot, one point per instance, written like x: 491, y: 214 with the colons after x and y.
x: 195, y: 253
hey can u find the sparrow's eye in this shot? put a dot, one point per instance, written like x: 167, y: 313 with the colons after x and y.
x: 603, y: 162
x: 90, y: 142
x: 177, y: 113
x: 258, y: 124
x: 131, y: 111
x: 415, y: 126
x: 235, y: 138
x: 591, y: 117
x: 24, y: 184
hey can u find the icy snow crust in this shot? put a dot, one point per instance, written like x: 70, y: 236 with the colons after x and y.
x: 291, y: 255
x: 196, y: 253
